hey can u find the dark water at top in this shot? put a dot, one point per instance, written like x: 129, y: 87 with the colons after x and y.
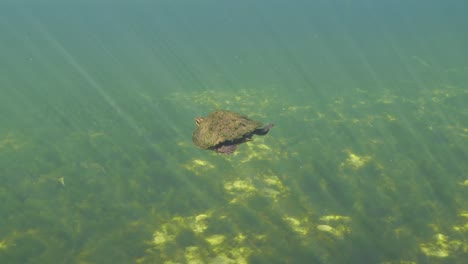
x: 367, y: 162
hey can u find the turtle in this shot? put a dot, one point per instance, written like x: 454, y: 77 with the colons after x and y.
x: 223, y: 130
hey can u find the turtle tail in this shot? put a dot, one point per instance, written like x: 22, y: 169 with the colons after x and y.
x: 264, y: 130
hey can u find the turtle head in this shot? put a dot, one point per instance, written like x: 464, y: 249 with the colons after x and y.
x: 198, y: 120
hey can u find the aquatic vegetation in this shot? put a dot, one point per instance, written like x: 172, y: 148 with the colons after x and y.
x: 268, y: 186
x: 354, y: 161
x: 3, y: 245
x: 10, y: 142
x: 336, y: 176
x: 199, y: 167
x: 365, y: 176
x: 201, y: 245
x: 441, y: 247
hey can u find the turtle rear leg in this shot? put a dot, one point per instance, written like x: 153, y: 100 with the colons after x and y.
x: 264, y: 130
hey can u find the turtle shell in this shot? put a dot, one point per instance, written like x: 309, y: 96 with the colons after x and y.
x: 223, y: 126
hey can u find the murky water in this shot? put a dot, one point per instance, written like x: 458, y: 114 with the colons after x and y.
x: 366, y: 162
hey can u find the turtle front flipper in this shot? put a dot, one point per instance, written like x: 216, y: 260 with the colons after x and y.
x: 264, y: 130
x: 226, y: 149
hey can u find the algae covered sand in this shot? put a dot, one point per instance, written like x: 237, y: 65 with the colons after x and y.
x: 349, y: 170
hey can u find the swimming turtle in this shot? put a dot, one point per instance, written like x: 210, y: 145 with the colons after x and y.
x: 223, y: 130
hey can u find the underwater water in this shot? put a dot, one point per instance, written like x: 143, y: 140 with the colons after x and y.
x: 367, y: 162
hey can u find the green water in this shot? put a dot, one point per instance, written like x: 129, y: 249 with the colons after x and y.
x: 367, y: 162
